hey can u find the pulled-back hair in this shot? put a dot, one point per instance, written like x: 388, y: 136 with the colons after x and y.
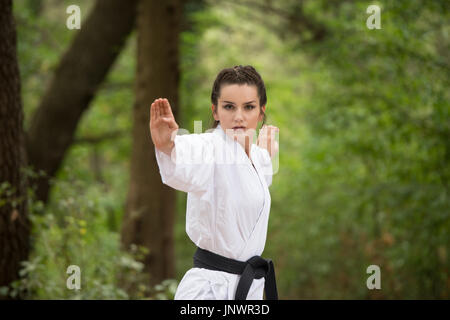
x: 239, y: 75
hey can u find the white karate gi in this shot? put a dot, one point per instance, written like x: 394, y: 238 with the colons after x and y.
x: 228, y: 206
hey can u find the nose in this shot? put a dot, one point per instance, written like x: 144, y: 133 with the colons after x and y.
x: 238, y: 116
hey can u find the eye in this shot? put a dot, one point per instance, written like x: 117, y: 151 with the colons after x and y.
x: 250, y: 106
x: 228, y: 105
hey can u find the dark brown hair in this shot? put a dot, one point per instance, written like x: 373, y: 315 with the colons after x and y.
x: 239, y: 75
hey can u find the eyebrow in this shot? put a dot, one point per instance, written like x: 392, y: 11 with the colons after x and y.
x: 234, y: 103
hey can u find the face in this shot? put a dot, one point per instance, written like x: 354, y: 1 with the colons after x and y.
x: 238, y: 110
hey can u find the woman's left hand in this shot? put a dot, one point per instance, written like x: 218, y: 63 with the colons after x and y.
x: 266, y: 139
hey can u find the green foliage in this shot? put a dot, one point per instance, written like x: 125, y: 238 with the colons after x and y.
x: 381, y: 117
x: 364, y: 141
x: 82, y: 221
x: 75, y: 230
x: 364, y: 148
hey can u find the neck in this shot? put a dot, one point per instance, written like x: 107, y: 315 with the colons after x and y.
x: 247, y: 146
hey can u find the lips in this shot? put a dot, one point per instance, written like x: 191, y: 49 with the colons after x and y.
x: 237, y: 128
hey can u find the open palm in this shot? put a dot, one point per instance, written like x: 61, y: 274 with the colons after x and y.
x: 266, y: 139
x: 162, y: 125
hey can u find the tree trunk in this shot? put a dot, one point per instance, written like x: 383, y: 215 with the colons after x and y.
x: 150, y: 207
x: 81, y: 70
x: 14, y: 223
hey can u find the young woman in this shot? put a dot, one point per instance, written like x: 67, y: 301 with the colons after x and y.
x: 227, y: 178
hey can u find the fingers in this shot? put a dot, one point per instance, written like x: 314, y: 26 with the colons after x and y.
x: 270, y: 128
x: 153, y: 112
x: 266, y: 138
x: 157, y: 110
x: 161, y: 107
x: 167, y: 108
x: 164, y: 107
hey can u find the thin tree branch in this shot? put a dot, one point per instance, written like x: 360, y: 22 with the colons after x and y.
x: 100, y: 138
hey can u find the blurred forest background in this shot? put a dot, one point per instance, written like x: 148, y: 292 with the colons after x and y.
x: 364, y: 143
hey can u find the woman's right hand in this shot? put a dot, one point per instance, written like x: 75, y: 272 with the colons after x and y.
x: 162, y: 125
x: 266, y: 139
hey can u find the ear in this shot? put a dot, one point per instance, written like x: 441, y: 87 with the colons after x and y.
x: 261, y: 116
x: 213, y: 109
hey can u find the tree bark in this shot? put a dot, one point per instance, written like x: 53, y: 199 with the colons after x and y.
x: 14, y: 223
x: 150, y: 207
x: 81, y: 70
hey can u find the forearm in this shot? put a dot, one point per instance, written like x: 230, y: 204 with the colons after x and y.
x: 167, y: 149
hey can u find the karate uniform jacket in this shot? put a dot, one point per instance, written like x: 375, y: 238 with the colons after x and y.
x: 228, y: 205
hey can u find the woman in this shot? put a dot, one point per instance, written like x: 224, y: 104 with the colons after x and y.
x: 227, y: 179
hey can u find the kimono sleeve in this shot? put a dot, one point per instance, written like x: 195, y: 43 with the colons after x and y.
x: 266, y: 165
x: 190, y: 167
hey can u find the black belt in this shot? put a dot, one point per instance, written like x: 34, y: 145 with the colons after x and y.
x: 254, y: 268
